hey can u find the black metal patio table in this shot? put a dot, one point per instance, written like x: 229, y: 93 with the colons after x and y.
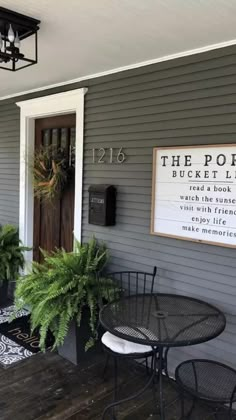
x: 161, y: 321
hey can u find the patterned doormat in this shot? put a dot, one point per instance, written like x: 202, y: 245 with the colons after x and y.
x: 16, y: 341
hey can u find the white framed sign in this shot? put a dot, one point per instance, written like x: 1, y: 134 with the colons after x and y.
x: 194, y: 193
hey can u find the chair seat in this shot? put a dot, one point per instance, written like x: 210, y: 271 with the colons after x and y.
x: 121, y: 346
x: 207, y: 380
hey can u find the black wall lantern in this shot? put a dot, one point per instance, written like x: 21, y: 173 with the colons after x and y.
x: 14, y: 28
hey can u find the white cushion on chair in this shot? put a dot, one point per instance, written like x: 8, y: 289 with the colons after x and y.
x: 121, y: 346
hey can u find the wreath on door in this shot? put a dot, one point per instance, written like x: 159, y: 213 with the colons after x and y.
x: 51, y: 171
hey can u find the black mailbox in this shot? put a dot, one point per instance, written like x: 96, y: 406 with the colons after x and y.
x: 102, y: 205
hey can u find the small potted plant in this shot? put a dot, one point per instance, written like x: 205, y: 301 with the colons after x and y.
x: 63, y: 294
x: 11, y: 258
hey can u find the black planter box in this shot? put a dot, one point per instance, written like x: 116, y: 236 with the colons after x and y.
x: 73, y: 348
x: 4, y: 293
x: 11, y: 289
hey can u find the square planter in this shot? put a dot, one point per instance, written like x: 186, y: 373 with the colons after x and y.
x: 4, y: 293
x: 73, y: 348
x: 11, y: 289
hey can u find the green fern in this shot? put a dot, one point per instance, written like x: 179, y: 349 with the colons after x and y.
x: 58, y: 290
x: 11, y: 253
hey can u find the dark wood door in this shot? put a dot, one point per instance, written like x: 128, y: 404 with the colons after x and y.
x: 54, y: 221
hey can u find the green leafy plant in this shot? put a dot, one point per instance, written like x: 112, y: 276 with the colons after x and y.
x: 58, y: 290
x: 11, y: 253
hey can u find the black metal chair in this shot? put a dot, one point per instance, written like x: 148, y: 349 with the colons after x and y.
x: 129, y: 283
x: 209, y: 381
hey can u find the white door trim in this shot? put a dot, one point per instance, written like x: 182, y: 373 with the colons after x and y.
x: 47, y: 106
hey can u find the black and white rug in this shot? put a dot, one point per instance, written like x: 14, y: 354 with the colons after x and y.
x: 16, y: 340
x: 10, y: 351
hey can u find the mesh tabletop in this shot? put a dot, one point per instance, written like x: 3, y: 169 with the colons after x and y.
x: 162, y: 320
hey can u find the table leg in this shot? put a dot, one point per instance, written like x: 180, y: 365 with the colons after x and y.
x: 160, y: 367
x: 149, y: 382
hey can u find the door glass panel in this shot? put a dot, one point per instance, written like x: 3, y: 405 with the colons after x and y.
x: 46, y: 138
x: 56, y: 137
x: 72, y: 146
x: 64, y: 138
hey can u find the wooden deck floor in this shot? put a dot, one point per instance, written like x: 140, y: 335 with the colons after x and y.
x: 47, y: 387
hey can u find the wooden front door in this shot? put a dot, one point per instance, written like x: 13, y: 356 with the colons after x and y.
x: 54, y: 221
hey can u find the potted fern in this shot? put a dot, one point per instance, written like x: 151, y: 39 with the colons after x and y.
x: 11, y: 258
x: 63, y: 294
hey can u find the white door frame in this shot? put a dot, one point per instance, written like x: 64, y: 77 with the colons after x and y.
x: 47, y: 106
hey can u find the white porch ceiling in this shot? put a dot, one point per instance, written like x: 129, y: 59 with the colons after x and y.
x: 80, y: 38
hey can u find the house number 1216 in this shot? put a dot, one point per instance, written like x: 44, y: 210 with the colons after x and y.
x: 108, y: 155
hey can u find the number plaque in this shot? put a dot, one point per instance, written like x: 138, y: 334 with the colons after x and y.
x: 108, y: 155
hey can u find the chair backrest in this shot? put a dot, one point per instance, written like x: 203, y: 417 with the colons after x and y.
x: 130, y: 283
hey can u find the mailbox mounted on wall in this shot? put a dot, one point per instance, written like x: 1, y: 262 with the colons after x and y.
x: 102, y: 205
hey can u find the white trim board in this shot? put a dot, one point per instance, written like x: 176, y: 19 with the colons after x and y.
x: 47, y: 106
x: 125, y: 68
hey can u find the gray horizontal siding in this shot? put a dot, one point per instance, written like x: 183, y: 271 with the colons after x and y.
x: 9, y: 163
x: 186, y: 104
x: 189, y: 101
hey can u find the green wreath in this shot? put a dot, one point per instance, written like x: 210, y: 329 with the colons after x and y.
x: 50, y: 173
